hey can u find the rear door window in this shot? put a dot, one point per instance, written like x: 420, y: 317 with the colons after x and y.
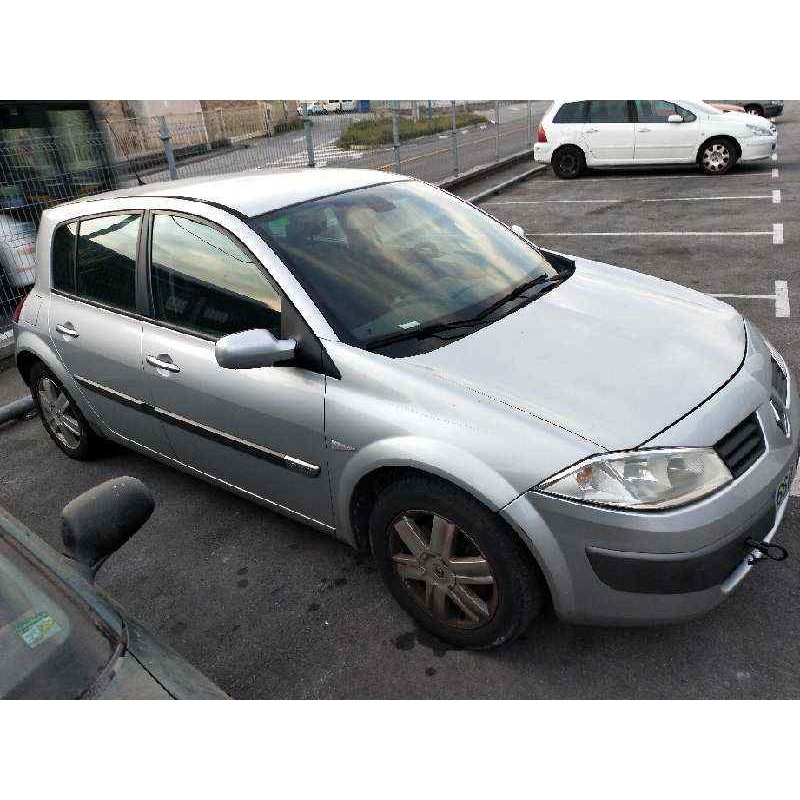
x: 106, y: 265
x: 608, y: 111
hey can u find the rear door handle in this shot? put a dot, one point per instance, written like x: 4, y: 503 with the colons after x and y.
x: 68, y: 329
x: 163, y: 361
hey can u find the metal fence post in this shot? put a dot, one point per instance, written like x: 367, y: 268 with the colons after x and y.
x: 395, y: 136
x: 163, y: 134
x: 530, y: 124
x: 497, y: 130
x: 454, y: 134
x: 307, y: 132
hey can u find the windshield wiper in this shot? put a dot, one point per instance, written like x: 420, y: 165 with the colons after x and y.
x: 544, y: 282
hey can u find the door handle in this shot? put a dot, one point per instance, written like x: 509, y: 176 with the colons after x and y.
x: 68, y: 329
x: 592, y: 130
x: 644, y: 130
x: 163, y: 361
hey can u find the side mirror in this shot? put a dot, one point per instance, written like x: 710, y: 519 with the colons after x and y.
x: 252, y: 349
x: 674, y: 118
x: 98, y: 522
x: 518, y: 230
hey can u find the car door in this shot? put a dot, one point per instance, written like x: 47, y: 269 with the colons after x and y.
x: 95, y: 325
x: 258, y: 430
x: 662, y: 142
x: 608, y: 132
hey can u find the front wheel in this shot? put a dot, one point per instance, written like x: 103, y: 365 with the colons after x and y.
x: 717, y: 157
x: 568, y: 162
x: 453, y: 565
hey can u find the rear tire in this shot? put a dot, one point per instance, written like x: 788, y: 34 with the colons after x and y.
x: 61, y: 417
x: 568, y: 162
x: 717, y: 156
x: 465, y: 576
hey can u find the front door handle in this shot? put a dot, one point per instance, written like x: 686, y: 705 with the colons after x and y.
x: 645, y: 130
x: 68, y: 329
x: 592, y: 130
x: 163, y: 361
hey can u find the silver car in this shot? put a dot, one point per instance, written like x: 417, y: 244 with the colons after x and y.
x: 503, y: 426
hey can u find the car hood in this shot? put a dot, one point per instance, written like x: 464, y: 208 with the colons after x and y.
x: 611, y: 355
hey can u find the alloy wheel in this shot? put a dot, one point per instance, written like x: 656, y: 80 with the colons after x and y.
x: 58, y: 414
x: 716, y: 157
x: 443, y: 570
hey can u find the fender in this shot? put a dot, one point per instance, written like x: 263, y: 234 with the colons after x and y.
x: 438, y: 458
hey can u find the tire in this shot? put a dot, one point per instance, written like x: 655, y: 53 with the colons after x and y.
x: 568, y: 162
x: 754, y: 108
x: 465, y: 577
x: 717, y: 156
x: 66, y: 426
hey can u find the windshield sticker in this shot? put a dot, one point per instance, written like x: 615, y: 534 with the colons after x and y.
x: 34, y: 630
x: 412, y: 324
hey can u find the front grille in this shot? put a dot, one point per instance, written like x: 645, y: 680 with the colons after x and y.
x: 742, y: 447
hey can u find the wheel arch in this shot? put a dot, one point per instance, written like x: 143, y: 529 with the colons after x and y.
x: 737, y: 148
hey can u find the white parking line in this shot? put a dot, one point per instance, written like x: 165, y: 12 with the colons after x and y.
x: 673, y: 176
x: 640, y: 199
x: 773, y: 233
x: 777, y: 233
x: 774, y: 156
x: 781, y: 298
x: 775, y: 173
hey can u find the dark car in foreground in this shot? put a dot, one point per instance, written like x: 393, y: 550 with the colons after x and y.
x: 60, y: 636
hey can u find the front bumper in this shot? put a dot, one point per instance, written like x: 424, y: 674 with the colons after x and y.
x: 606, y: 566
x: 758, y: 147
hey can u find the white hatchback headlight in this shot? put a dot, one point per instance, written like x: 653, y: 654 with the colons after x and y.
x: 642, y: 479
x: 757, y: 130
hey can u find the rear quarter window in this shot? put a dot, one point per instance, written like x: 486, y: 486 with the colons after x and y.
x: 62, y: 257
x: 571, y: 112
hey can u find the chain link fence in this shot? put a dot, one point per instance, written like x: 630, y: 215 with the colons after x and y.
x: 428, y: 139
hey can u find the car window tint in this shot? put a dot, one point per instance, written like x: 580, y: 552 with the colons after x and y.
x: 571, y: 112
x: 203, y: 282
x: 106, y: 268
x: 62, y: 257
x: 608, y: 111
x: 654, y: 110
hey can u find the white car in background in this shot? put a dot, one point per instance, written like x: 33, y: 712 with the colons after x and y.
x: 575, y: 134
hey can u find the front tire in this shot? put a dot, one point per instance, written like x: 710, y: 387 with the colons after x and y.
x: 717, y: 156
x: 61, y: 417
x: 453, y: 565
x: 568, y: 162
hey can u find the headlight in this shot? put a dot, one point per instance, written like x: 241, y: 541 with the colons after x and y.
x: 757, y: 130
x: 642, y: 479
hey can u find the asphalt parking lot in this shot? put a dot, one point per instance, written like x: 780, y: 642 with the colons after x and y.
x: 270, y: 609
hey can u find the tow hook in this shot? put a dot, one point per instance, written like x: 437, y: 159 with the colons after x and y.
x: 767, y: 551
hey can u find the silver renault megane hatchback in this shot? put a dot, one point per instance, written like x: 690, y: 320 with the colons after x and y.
x: 503, y: 426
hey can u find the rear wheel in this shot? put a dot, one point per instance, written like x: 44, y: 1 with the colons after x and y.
x: 755, y: 109
x: 61, y: 418
x: 453, y: 565
x: 717, y: 157
x: 568, y: 162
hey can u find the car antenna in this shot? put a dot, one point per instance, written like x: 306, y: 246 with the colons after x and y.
x: 127, y: 157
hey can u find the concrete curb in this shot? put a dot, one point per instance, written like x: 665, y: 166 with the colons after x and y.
x: 15, y: 409
x: 506, y: 184
x: 485, y: 169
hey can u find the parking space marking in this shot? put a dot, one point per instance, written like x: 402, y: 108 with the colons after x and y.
x: 777, y: 233
x: 781, y: 298
x: 775, y: 173
x: 794, y: 490
x: 774, y: 156
x: 641, y: 199
x: 672, y: 176
x: 773, y: 233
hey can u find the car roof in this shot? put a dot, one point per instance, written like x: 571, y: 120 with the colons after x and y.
x: 258, y: 191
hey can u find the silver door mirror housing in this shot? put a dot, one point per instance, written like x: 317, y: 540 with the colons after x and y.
x: 253, y: 349
x: 674, y: 118
x: 518, y: 230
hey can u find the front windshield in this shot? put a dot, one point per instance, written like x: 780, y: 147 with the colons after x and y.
x: 398, y: 257
x: 703, y: 107
x: 51, y: 646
